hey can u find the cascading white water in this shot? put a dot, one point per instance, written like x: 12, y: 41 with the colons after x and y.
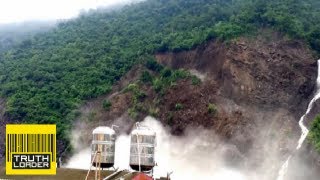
x: 304, y: 129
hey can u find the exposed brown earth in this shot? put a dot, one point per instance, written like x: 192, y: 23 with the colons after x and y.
x: 273, y: 73
x: 267, y: 83
x: 259, y: 86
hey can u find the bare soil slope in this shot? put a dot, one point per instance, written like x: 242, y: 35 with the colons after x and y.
x: 260, y: 88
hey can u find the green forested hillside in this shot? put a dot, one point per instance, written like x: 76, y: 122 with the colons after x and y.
x: 12, y: 34
x: 45, y: 78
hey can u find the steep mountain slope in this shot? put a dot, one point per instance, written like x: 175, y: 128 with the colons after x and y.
x: 251, y: 71
x: 13, y: 34
x: 46, y: 78
x: 267, y: 83
x: 252, y: 93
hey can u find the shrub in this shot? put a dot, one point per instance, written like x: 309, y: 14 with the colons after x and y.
x: 195, y: 80
x: 91, y: 116
x: 137, y: 99
x: 106, y: 104
x: 178, y: 106
x: 139, y: 107
x: 166, y: 72
x: 180, y: 74
x: 314, y: 135
x: 228, y: 30
x: 168, y: 78
x: 133, y: 113
x: 212, y: 109
x: 146, y: 77
x: 154, y: 65
x: 157, y: 85
x: 153, y: 112
x: 170, y: 118
x: 137, y: 93
x: 131, y: 88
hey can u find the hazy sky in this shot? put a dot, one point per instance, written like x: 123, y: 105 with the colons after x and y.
x: 24, y: 10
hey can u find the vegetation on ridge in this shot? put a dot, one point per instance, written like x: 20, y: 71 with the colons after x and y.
x: 159, y: 78
x: 314, y: 134
x: 46, y: 77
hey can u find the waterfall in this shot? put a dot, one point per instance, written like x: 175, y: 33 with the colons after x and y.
x: 304, y: 129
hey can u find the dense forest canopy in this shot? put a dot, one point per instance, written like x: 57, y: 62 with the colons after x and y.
x: 46, y: 77
x: 15, y: 33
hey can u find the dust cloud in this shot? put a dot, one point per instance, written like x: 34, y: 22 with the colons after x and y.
x: 199, y: 154
x: 201, y: 76
x: 194, y: 156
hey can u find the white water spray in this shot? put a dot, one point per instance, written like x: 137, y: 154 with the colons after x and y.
x: 194, y: 156
x: 304, y: 129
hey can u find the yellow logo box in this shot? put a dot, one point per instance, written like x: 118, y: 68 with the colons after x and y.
x: 30, y: 149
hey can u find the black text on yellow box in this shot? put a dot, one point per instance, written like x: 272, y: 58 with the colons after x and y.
x: 26, y: 144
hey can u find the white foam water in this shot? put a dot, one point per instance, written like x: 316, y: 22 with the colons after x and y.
x: 304, y: 129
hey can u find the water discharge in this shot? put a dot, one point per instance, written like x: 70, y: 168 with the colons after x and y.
x: 304, y: 129
x: 197, y: 155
